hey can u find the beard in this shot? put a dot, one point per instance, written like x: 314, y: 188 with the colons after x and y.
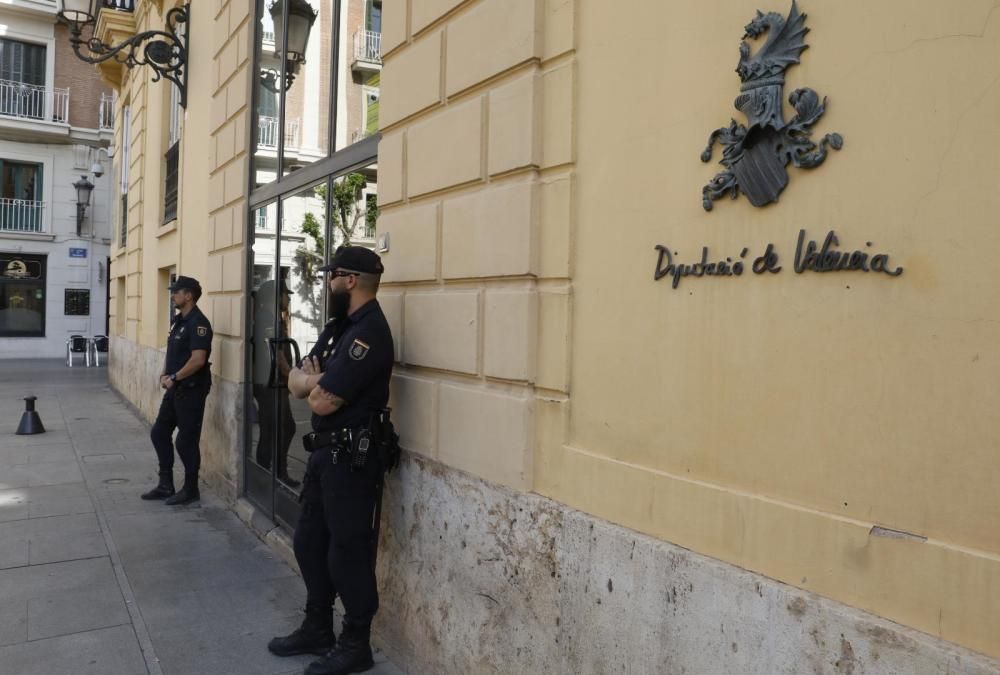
x: 340, y: 302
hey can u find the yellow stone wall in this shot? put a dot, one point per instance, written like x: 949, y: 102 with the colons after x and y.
x: 475, y: 180
x: 206, y: 239
x: 533, y: 154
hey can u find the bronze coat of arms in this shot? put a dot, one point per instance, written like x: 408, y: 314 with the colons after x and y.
x: 756, y: 156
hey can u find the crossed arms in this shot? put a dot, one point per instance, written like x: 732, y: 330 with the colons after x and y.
x: 304, y: 382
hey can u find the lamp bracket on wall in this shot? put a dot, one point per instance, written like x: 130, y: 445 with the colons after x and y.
x: 165, y: 51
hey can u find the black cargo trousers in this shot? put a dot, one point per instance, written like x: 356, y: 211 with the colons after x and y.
x: 182, y: 408
x: 334, y: 538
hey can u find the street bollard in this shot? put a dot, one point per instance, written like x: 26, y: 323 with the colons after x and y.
x: 31, y: 423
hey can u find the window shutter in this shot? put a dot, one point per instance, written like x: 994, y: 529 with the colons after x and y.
x: 6, y: 60
x: 22, y: 62
x: 34, y: 64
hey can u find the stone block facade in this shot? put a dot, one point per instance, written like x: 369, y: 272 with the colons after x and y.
x: 207, y: 239
x: 480, y: 216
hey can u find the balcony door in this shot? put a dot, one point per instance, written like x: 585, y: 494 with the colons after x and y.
x: 22, y: 79
x: 21, y: 202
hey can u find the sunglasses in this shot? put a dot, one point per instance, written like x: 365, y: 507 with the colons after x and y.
x: 344, y: 273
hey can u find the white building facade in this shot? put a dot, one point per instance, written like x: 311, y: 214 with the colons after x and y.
x: 56, y: 122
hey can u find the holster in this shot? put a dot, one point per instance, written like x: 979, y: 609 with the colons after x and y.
x: 385, y: 439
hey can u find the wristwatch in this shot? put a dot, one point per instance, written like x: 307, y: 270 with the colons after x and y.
x: 173, y: 377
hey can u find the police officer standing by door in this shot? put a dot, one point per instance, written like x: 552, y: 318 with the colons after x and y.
x: 187, y: 378
x: 334, y: 544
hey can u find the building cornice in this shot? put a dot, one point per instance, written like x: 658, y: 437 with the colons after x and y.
x: 41, y: 9
x: 114, y: 28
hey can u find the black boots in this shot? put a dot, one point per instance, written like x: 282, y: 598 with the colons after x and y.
x: 164, y: 489
x: 353, y: 654
x: 189, y: 493
x: 314, y: 636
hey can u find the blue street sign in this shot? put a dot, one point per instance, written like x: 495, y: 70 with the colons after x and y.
x: 78, y: 253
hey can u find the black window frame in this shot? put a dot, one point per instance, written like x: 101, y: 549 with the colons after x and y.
x: 338, y: 162
x: 73, y: 299
x: 171, y: 181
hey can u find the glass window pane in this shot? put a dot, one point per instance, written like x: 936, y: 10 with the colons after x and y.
x: 360, y: 68
x: 302, y: 245
x: 268, y: 96
x: 262, y: 333
x: 22, y: 295
x: 354, y: 207
x: 307, y: 85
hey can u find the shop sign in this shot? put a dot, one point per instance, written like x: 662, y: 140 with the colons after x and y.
x: 15, y: 268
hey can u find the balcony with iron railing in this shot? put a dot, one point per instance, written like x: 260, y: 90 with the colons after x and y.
x: 21, y: 215
x: 367, y: 51
x: 33, y: 102
x: 267, y: 133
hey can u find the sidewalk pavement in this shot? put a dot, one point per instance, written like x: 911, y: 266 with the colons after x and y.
x: 95, y: 581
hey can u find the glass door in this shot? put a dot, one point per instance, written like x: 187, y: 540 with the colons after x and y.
x: 287, y: 316
x: 302, y: 247
x: 313, y: 186
x: 263, y: 346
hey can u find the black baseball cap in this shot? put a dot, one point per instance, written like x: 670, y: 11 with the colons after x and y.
x: 355, y: 259
x: 185, y: 284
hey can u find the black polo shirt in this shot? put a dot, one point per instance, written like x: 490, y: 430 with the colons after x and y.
x: 188, y: 333
x: 324, y: 344
x: 358, y: 370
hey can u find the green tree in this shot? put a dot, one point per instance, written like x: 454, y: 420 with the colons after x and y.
x: 349, y: 206
x: 309, y: 259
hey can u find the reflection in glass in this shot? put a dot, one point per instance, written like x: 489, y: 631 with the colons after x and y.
x: 268, y: 98
x: 359, y: 72
x: 301, y: 91
x: 264, y: 329
x: 302, y: 243
x: 307, y: 82
x: 354, y: 207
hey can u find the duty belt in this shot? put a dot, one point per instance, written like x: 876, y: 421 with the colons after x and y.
x: 353, y: 442
x: 341, y: 438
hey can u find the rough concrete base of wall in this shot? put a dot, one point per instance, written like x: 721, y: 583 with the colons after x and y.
x: 475, y: 578
x: 134, y: 372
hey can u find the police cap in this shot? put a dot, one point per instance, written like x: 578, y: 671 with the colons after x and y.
x: 186, y: 284
x: 355, y: 259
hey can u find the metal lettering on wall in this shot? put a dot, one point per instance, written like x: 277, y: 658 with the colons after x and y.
x: 809, y: 257
x: 756, y: 155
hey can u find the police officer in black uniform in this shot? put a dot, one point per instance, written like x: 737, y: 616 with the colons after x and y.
x: 187, y: 378
x: 334, y: 544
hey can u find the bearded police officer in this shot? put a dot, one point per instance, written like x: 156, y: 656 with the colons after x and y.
x: 334, y: 544
x: 186, y: 377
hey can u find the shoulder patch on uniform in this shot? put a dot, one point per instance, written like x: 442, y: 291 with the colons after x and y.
x: 359, y: 350
x: 202, y: 331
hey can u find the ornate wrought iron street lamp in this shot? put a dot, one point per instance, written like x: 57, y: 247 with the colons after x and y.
x: 163, y: 51
x: 83, y: 189
x: 301, y: 17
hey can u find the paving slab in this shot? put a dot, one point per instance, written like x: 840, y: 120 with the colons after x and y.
x: 14, y: 622
x: 75, y: 612
x: 96, y: 581
x: 110, y: 651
